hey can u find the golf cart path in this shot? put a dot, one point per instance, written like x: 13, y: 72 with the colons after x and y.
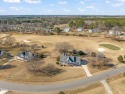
x: 105, y: 84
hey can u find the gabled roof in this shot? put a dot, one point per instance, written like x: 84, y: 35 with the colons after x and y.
x: 79, y: 29
x: 1, y: 52
x: 67, y: 29
x: 114, y: 32
x: 95, y: 30
x: 74, y: 60
x: 26, y: 55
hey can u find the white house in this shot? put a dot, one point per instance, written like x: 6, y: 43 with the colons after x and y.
x: 66, y: 29
x: 93, y: 30
x: 80, y: 29
x: 47, y: 30
x: 90, y: 30
x: 112, y: 32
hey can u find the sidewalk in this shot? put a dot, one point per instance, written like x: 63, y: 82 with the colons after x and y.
x: 105, y: 84
x: 1, y: 67
x: 3, y: 91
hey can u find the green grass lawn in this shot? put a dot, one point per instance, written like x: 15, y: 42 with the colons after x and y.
x: 110, y: 46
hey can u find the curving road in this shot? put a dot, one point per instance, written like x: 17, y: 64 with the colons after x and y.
x: 60, y: 86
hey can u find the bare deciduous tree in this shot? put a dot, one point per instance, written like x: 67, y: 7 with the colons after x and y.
x: 1, y: 41
x: 9, y: 41
x: 34, y: 66
x: 34, y: 48
x: 51, y: 70
x: 25, y: 47
x: 100, y: 61
x: 63, y: 47
x: 48, y: 70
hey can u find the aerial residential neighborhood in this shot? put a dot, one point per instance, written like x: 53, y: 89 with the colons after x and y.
x: 62, y: 47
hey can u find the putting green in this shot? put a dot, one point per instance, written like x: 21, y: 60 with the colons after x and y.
x: 110, y: 46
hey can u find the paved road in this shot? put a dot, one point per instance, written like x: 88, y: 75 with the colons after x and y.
x: 60, y: 86
x: 105, y: 84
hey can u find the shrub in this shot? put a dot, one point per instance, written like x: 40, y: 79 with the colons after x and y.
x: 41, y: 56
x: 82, y: 53
x: 57, y: 29
x: 43, y: 46
x: 61, y: 92
x: 76, y: 55
x: 93, y: 54
x: 58, y: 58
x: 67, y: 34
x: 80, y: 35
x: 120, y: 58
x: 75, y: 52
x: 57, y: 63
x: 51, y: 33
x: 124, y: 74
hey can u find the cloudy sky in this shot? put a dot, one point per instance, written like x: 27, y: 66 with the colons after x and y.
x: 62, y: 7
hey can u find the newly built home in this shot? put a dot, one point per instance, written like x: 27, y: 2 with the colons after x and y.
x: 25, y: 55
x: 71, y: 60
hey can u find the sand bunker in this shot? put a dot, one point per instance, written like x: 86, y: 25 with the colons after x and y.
x: 101, y: 49
x: 26, y: 41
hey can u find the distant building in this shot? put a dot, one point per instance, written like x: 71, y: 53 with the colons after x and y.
x: 90, y: 30
x: 93, y: 30
x: 67, y: 29
x: 113, y: 32
x: 80, y: 29
x: 47, y: 30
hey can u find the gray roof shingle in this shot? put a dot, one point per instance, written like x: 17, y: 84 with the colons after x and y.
x: 70, y: 60
x: 26, y: 55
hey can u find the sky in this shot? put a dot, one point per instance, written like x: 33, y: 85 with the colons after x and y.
x: 62, y: 7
